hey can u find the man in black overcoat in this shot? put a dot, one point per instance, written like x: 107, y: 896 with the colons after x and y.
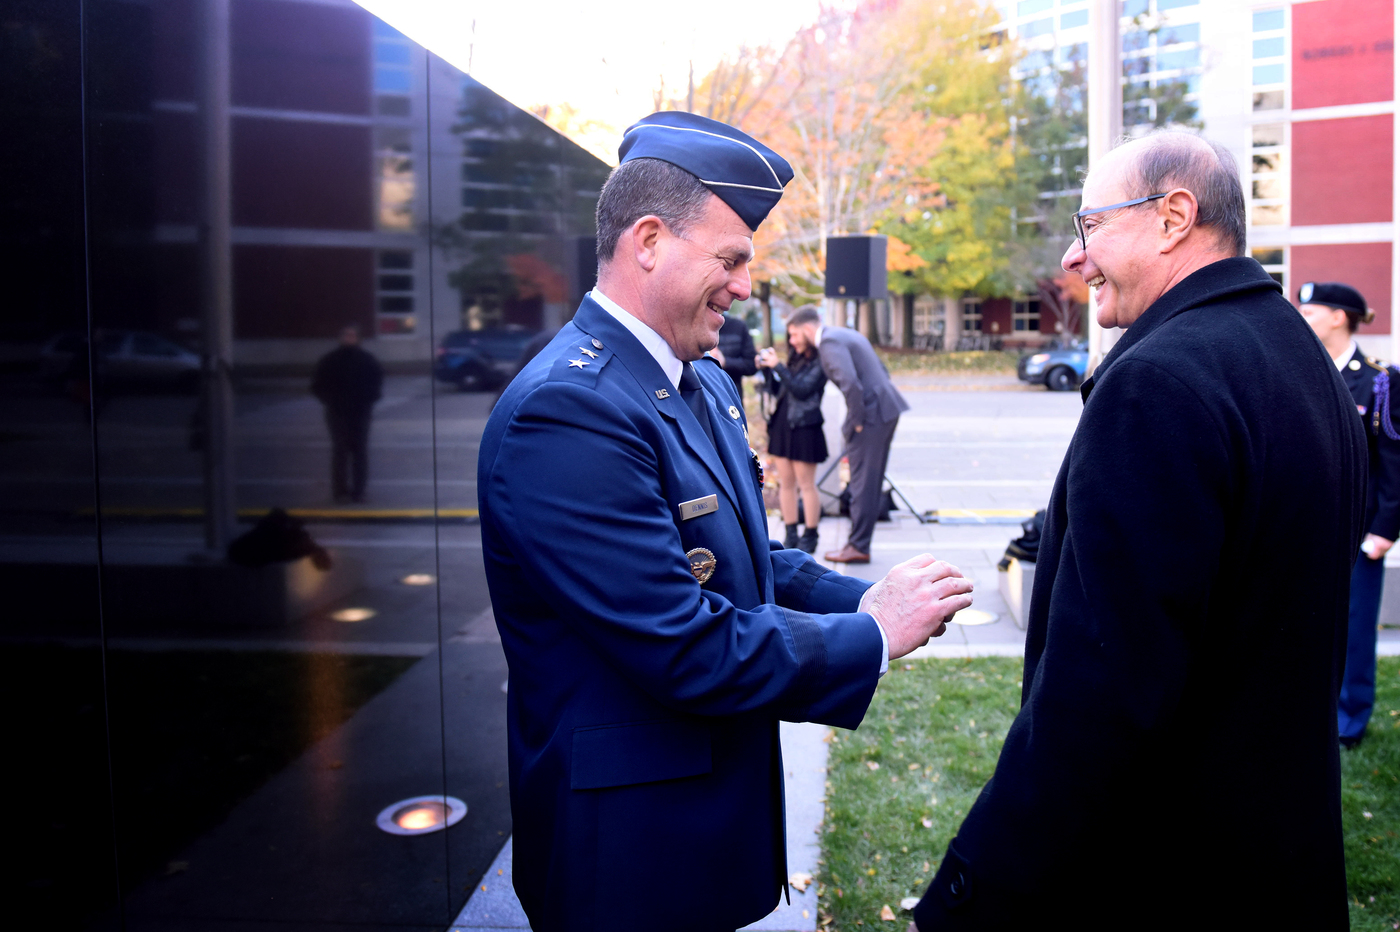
x: 348, y: 381
x: 735, y: 352
x: 1174, y: 764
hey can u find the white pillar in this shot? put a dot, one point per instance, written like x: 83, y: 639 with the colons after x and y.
x: 1105, y: 126
x: 1395, y: 206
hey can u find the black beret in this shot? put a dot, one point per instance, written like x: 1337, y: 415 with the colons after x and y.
x: 740, y: 170
x: 1333, y: 294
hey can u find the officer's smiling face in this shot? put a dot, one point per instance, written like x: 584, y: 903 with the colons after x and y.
x: 698, y: 277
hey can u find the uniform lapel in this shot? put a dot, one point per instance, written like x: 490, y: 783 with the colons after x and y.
x: 734, y: 451
x: 658, y: 389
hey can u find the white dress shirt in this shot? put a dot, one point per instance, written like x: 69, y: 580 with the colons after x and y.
x: 671, y: 364
x: 651, y: 341
x: 1341, y: 361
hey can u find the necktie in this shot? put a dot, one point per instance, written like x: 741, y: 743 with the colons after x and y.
x: 694, y: 396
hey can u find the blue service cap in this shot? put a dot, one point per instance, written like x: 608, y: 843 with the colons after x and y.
x: 740, y: 170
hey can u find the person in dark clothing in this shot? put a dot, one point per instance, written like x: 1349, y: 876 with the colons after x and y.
x: 1187, y: 627
x: 795, y: 438
x: 1334, y: 311
x: 735, y: 352
x: 348, y: 381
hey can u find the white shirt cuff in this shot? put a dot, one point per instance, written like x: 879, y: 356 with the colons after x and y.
x: 884, y: 648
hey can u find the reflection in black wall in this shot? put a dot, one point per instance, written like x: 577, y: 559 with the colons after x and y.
x: 198, y: 744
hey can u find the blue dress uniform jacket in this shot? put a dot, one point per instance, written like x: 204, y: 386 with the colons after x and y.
x: 643, y: 706
x: 1383, y: 478
x: 1174, y: 764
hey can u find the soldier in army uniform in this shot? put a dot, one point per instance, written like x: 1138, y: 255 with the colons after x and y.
x: 1335, y: 311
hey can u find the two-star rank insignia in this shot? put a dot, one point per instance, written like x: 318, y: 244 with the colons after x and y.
x: 577, y: 363
x: 588, y: 351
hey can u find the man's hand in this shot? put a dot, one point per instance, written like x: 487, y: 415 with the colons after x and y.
x: 860, y: 427
x: 1375, y: 547
x: 915, y: 600
x: 717, y: 356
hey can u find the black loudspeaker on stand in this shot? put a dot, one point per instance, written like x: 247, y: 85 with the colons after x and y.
x: 855, y: 267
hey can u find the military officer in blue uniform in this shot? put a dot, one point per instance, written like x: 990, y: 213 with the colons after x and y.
x: 655, y: 635
x: 1335, y: 311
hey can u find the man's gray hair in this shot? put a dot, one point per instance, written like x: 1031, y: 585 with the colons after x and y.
x: 641, y: 187
x: 1171, y: 159
x: 807, y: 314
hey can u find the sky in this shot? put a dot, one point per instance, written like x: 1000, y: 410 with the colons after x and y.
x: 604, y: 58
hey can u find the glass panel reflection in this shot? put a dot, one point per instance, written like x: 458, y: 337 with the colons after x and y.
x: 265, y: 651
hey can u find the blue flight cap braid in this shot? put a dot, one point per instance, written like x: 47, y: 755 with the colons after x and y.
x: 740, y: 170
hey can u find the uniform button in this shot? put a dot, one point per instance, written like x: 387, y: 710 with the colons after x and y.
x: 958, y: 884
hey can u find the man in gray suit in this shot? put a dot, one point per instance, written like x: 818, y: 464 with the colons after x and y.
x: 873, y: 406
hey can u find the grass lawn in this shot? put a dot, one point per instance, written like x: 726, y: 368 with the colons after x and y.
x: 899, y: 787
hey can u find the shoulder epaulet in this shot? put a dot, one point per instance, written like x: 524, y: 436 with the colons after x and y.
x: 711, y: 359
x: 581, y: 361
x: 1380, y: 365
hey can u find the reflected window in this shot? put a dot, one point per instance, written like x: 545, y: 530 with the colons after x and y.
x: 394, y: 173
x: 394, y: 292
x: 393, y: 70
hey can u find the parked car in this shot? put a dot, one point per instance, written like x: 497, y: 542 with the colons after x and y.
x: 127, y: 359
x: 481, y: 360
x: 1059, y: 370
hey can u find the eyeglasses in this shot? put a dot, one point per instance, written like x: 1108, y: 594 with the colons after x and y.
x: 1078, y: 216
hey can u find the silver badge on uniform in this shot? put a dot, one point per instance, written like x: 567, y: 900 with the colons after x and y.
x: 702, y: 564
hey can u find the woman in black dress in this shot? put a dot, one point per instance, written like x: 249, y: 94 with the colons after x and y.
x: 795, y: 439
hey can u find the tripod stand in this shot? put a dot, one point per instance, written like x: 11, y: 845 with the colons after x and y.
x: 893, y: 489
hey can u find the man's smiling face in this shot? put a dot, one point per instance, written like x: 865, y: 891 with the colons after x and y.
x: 700, y: 276
x: 1123, y: 260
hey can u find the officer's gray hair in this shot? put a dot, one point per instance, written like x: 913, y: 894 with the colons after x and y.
x: 642, y: 187
x: 1171, y: 159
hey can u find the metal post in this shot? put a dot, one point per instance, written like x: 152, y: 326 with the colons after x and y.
x: 765, y: 301
x: 1105, y: 126
x: 220, y: 515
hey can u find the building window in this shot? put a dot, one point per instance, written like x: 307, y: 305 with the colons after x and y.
x: 393, y: 156
x: 972, y: 315
x: 1270, y: 59
x: 1275, y: 262
x: 394, y: 287
x: 1025, y: 316
x: 393, y: 70
x: 1268, y: 189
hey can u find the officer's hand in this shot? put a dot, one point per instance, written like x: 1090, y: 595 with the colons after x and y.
x: 718, y: 356
x: 1375, y: 547
x: 914, y: 601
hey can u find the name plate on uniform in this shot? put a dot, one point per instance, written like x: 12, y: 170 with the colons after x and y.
x: 698, y: 506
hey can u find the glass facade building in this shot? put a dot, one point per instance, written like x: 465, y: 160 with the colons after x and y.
x: 205, y: 194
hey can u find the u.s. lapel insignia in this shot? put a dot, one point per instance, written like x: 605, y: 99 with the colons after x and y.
x: 662, y: 393
x: 702, y: 564
x: 734, y: 412
x: 591, y: 354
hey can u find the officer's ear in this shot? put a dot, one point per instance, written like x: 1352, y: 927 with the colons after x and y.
x: 646, y: 236
x: 1176, y: 218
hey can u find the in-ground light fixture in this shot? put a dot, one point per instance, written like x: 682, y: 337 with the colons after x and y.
x: 420, y: 815
x: 354, y: 614
x: 973, y: 616
x: 419, y: 579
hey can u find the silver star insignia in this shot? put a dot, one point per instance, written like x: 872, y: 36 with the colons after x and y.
x: 577, y: 363
x: 588, y: 351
